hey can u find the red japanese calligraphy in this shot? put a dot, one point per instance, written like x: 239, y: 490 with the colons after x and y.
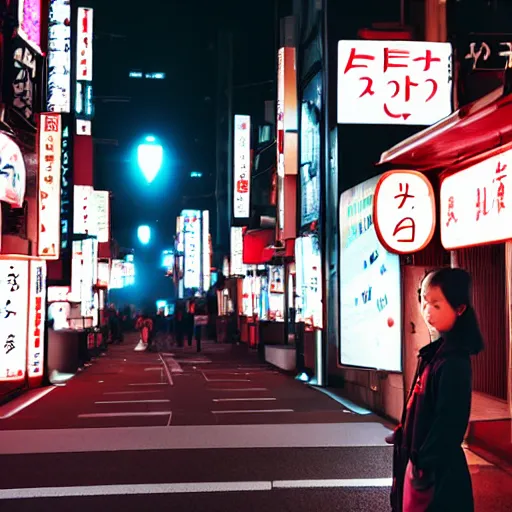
x: 242, y: 186
x: 354, y: 56
x: 451, y: 213
x: 369, y: 85
x: 403, y: 195
x: 51, y: 124
x: 428, y: 59
x: 481, y: 203
x: 394, y: 54
x: 406, y: 223
x: 501, y: 187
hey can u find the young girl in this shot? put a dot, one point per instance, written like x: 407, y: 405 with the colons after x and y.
x: 430, y: 472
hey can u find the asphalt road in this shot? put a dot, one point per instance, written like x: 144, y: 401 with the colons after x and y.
x: 218, y: 431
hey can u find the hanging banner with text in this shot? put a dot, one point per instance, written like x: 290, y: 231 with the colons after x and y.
x: 50, y: 149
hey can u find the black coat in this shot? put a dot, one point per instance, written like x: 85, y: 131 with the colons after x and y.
x: 435, y: 420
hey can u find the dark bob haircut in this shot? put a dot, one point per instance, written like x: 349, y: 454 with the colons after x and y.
x: 456, y: 285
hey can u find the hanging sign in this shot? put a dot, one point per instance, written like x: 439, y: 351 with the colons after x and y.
x: 242, y: 167
x: 59, y: 56
x: 14, y: 282
x: 394, y: 82
x: 50, y: 149
x: 36, y: 318
x: 404, y: 211
x: 84, y: 41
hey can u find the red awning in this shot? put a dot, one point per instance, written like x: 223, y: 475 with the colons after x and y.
x: 258, y: 246
x: 480, y: 126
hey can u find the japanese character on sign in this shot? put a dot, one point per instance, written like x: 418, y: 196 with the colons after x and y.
x: 501, y: 187
x: 51, y: 125
x: 481, y: 194
x: 407, y: 223
x: 476, y: 54
x: 12, y: 281
x: 6, y: 311
x: 451, y: 213
x: 9, y: 345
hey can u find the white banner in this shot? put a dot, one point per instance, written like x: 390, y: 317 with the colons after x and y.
x: 237, y: 252
x: 84, y: 222
x: 13, y: 174
x: 36, y: 318
x: 474, y: 204
x: 394, y: 82
x: 89, y: 276
x: 242, y: 167
x: 59, y: 56
x: 13, y: 319
x: 206, y: 251
x: 192, y: 234
x: 50, y: 149
x: 84, y: 41
x: 102, y: 209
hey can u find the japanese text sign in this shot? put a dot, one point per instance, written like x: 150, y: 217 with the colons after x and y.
x: 474, y: 204
x: 237, y: 252
x: 13, y: 175
x: 36, y: 318
x: 101, y: 205
x: 394, y: 82
x: 192, y: 247
x: 59, y: 56
x: 84, y: 214
x: 242, y: 167
x: 50, y: 150
x: 84, y: 44
x: 13, y: 319
x: 404, y: 211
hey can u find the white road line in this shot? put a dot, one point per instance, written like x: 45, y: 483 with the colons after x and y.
x: 242, y: 411
x: 149, y: 384
x: 316, y: 484
x: 167, y: 372
x: 12, y: 409
x: 124, y: 414
x: 162, y: 401
x: 244, y: 399
x: 237, y: 389
x: 157, y: 369
x: 186, y: 488
x: 172, y: 364
x: 134, y: 392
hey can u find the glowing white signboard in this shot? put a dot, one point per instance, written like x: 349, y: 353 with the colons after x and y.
x: 404, y: 211
x: 242, y: 167
x: 394, y: 82
x: 84, y: 41
x: 474, y: 206
x: 50, y: 150
x: 36, y: 318
x: 14, y: 283
x: 192, y: 248
x: 59, y: 56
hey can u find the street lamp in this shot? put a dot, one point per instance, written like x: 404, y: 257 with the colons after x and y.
x: 144, y: 234
x: 150, y: 155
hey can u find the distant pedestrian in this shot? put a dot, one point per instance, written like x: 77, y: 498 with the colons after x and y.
x: 430, y: 472
x: 144, y: 325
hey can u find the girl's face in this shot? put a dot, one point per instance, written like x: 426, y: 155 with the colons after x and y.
x: 436, y: 310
